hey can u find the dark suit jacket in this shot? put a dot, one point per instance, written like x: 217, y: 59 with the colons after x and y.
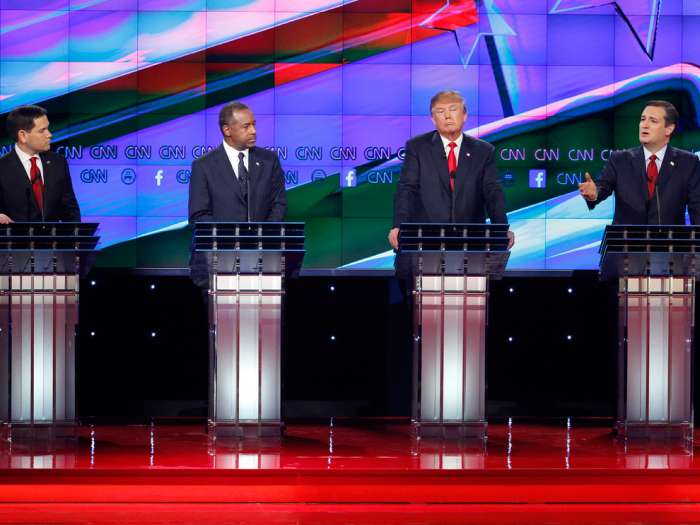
x: 423, y: 193
x: 678, y: 186
x: 215, y: 193
x: 17, y: 199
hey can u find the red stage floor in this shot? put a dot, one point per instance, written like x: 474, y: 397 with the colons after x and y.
x: 368, y: 473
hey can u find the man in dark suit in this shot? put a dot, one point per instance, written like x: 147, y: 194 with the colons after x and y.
x: 653, y: 183
x: 447, y: 175
x: 35, y: 184
x: 237, y: 181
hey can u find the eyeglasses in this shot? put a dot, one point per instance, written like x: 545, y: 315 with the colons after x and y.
x: 441, y: 112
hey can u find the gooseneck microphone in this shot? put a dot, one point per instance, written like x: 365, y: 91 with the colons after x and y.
x: 247, y: 196
x: 28, y: 201
x: 452, y: 197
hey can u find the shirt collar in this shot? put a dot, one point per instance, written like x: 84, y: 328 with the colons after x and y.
x: 23, y: 156
x: 457, y: 141
x: 233, y: 152
x: 659, y: 154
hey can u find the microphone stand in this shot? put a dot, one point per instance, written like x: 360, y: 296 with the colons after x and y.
x: 452, y: 197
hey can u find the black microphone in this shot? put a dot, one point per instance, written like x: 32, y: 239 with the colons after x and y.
x: 28, y: 195
x: 452, y: 196
x: 247, y: 195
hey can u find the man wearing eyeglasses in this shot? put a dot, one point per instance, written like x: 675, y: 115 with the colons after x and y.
x: 447, y: 175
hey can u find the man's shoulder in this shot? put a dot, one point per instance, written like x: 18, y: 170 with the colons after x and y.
x: 478, y: 145
x: 209, y: 155
x: 422, y: 139
x: 625, y: 154
x: 264, y: 153
x: 682, y: 154
x: 53, y: 157
x: 9, y: 156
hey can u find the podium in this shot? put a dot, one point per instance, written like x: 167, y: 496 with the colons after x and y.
x: 451, y: 267
x: 248, y: 264
x: 655, y: 267
x: 40, y: 269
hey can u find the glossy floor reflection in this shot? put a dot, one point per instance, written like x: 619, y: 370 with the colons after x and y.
x: 349, y: 445
x: 334, y: 514
x: 366, y: 472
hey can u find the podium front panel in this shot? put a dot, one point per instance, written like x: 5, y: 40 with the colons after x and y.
x: 38, y: 316
x: 452, y: 371
x: 246, y: 360
x: 657, y: 372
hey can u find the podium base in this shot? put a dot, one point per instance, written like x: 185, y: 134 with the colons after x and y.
x: 654, y: 431
x: 56, y: 432
x: 451, y: 429
x: 252, y: 429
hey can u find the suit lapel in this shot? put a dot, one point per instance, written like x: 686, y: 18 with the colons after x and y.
x: 666, y: 171
x: 437, y: 151
x: 49, y: 173
x: 226, y: 173
x: 465, y: 153
x: 254, y: 171
x: 21, y: 180
x: 639, y: 168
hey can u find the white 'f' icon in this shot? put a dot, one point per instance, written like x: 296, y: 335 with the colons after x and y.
x: 350, y: 178
x: 159, y: 177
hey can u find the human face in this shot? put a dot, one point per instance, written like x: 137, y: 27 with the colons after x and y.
x: 654, y: 133
x: 36, y: 140
x: 240, y: 131
x: 449, y: 117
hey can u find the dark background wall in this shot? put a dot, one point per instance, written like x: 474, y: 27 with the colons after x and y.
x: 551, y: 347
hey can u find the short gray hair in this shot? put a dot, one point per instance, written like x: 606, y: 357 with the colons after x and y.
x: 447, y: 93
x: 226, y: 113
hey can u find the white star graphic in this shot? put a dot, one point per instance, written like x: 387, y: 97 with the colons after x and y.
x: 647, y: 46
x: 467, y: 37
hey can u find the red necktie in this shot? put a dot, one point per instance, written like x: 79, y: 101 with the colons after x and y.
x: 452, y: 165
x: 652, y: 175
x: 37, y: 184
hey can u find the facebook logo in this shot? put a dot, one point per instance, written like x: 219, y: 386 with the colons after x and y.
x: 538, y: 178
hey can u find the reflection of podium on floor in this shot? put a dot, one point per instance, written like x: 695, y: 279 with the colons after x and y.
x: 451, y: 266
x: 248, y: 264
x: 40, y: 269
x: 656, y: 268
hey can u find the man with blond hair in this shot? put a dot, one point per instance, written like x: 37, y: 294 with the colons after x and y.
x: 447, y: 175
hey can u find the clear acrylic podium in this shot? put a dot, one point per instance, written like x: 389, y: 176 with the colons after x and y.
x: 656, y: 268
x: 451, y: 267
x: 248, y: 264
x: 40, y: 269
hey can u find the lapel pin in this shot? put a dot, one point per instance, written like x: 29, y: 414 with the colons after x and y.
x: 469, y: 154
x: 673, y: 163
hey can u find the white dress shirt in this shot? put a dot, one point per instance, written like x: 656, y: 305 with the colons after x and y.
x: 232, y: 154
x: 659, y: 157
x: 446, y: 142
x: 27, y: 163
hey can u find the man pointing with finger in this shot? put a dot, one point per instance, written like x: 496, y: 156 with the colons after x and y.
x: 654, y: 183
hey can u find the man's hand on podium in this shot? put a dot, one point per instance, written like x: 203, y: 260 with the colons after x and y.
x: 511, y: 239
x: 4, y: 219
x: 588, y: 189
x: 394, y: 238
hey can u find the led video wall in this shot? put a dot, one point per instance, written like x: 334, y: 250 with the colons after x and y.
x: 134, y: 87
